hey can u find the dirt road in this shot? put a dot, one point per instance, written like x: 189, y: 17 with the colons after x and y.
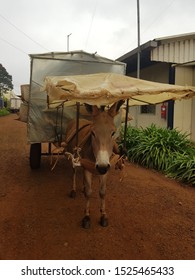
x: 150, y: 216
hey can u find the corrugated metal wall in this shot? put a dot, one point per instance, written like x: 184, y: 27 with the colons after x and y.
x: 179, y: 51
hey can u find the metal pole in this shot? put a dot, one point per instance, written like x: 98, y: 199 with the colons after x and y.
x: 68, y: 41
x: 138, y: 76
x: 77, y: 123
x: 125, y: 129
x: 138, y: 40
x: 138, y: 56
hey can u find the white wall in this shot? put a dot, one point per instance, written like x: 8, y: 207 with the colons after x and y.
x: 193, y: 108
x: 184, y: 111
x: 145, y: 120
x: 157, y: 73
x: 193, y: 120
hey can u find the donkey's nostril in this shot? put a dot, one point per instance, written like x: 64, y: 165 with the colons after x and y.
x: 102, y: 169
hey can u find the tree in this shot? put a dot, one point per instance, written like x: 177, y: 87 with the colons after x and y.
x: 5, y: 80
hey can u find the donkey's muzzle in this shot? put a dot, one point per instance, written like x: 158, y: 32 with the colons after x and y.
x: 102, y: 169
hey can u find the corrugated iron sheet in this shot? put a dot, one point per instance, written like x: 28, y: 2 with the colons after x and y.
x: 179, y: 51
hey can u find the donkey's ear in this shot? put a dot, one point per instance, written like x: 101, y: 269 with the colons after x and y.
x: 113, y: 111
x: 93, y: 110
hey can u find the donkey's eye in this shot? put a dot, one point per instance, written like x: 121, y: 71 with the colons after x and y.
x: 113, y: 133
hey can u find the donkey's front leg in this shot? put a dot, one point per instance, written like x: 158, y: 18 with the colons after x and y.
x: 87, y: 192
x: 102, y: 193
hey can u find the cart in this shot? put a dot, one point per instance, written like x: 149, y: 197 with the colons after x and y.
x: 47, y: 123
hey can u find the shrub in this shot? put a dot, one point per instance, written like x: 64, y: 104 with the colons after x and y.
x: 182, y: 167
x: 162, y: 149
x: 4, y: 112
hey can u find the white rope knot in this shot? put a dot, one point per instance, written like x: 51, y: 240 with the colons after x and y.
x: 75, y: 157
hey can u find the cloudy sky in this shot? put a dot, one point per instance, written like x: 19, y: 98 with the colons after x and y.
x: 108, y: 27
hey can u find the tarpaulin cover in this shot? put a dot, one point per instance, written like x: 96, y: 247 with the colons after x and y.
x: 107, y: 88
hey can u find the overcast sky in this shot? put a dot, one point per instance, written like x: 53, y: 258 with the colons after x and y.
x: 108, y: 27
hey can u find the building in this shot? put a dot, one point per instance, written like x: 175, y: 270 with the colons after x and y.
x: 166, y: 60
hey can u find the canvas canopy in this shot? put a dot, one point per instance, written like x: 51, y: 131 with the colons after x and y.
x: 107, y: 88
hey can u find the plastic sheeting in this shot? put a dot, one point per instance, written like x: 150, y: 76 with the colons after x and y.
x: 107, y: 88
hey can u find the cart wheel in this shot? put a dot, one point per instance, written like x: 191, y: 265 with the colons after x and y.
x: 35, y: 155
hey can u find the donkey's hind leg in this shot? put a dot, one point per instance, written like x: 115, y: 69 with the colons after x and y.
x: 87, y: 193
x: 102, y: 193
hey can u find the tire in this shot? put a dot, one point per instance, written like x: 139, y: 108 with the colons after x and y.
x: 35, y: 155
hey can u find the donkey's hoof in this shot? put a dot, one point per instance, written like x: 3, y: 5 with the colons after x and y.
x: 86, y: 222
x: 72, y: 194
x: 103, y: 221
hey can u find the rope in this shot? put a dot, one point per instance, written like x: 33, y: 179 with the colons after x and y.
x: 75, y: 160
x: 60, y: 150
x: 75, y: 157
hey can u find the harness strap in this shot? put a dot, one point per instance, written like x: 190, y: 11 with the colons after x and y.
x: 84, y: 125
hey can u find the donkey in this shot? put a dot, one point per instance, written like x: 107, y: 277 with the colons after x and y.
x: 96, y: 151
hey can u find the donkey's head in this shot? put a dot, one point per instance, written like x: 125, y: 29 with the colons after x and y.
x: 102, y: 134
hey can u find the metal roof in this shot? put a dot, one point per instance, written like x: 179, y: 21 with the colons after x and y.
x: 175, y: 49
x: 171, y: 49
x: 130, y: 58
x: 147, y: 46
x: 186, y: 36
x: 78, y: 55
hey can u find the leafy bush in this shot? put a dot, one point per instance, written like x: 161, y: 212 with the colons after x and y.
x: 182, y: 167
x: 4, y: 112
x: 162, y: 149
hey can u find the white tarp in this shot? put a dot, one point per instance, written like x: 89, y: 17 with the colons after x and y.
x: 107, y: 88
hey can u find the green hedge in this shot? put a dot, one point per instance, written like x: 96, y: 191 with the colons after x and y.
x: 163, y: 149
